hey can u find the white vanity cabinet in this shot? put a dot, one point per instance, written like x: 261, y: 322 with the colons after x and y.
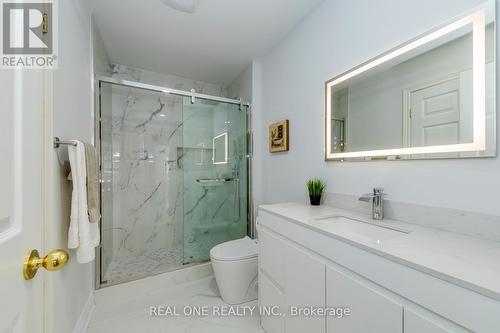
x: 290, y: 277
x: 304, y: 287
x: 303, y: 267
x: 271, y: 282
x: 271, y: 297
x: 370, y: 310
x: 418, y: 323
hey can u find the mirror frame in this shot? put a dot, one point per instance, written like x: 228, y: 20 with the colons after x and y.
x: 477, y: 19
x: 225, y: 148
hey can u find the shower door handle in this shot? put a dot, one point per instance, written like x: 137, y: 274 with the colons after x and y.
x: 214, y: 180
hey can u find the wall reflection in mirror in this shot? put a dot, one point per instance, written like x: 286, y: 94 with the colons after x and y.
x: 423, y: 97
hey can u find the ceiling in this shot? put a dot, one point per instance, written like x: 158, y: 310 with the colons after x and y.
x: 214, y: 44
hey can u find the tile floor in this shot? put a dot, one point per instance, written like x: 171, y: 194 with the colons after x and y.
x: 132, y: 314
x: 135, y: 267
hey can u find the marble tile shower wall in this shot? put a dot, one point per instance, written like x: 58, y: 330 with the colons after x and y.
x: 147, y: 185
x: 144, y: 204
x: 164, y: 80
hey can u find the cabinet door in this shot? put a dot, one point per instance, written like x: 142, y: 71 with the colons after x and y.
x: 272, y: 256
x: 418, y: 323
x: 270, y: 296
x: 304, y: 288
x: 370, y: 310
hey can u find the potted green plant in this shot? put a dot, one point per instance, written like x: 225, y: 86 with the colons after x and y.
x: 315, y: 188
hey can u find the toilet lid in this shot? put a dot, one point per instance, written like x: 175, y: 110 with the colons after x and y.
x: 239, y: 249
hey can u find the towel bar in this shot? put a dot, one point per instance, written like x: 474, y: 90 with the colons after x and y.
x: 58, y: 142
x: 215, y: 180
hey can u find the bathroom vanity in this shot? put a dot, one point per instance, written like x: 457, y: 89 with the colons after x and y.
x: 392, y: 276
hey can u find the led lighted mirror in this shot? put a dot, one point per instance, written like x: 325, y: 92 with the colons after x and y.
x: 220, y: 152
x: 433, y: 97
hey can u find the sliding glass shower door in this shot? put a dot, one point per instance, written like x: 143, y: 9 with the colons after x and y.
x: 173, y: 180
x: 215, y: 176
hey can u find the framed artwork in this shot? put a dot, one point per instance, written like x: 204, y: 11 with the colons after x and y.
x: 278, y: 136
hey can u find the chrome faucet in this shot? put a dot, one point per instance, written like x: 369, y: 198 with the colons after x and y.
x: 377, y: 202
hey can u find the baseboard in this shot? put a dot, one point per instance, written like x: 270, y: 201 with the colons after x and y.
x: 84, y: 319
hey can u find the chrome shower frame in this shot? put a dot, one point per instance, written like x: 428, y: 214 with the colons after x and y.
x: 193, y: 95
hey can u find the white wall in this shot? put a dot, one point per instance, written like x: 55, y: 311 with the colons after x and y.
x: 101, y: 60
x: 335, y: 37
x: 260, y: 143
x: 241, y: 87
x: 68, y: 290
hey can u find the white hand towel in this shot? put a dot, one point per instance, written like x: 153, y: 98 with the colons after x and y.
x: 82, y: 235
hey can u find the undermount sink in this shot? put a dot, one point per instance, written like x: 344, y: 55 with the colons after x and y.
x: 347, y: 227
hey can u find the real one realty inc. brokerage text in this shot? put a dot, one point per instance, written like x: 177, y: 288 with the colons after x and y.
x: 243, y: 310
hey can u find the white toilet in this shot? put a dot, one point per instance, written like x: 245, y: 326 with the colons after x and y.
x: 235, y: 269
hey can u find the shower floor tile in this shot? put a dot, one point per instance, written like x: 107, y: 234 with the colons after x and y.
x: 134, y: 315
x: 135, y: 267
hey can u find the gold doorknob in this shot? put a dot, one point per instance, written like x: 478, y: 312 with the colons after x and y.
x: 53, y: 261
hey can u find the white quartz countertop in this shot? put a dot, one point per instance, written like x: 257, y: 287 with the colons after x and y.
x: 469, y: 262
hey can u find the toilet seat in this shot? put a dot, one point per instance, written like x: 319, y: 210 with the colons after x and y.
x: 240, y: 249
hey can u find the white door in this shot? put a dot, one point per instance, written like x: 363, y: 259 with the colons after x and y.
x: 21, y: 198
x: 438, y: 115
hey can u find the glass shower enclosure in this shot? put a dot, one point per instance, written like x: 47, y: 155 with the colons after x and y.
x: 174, y: 178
